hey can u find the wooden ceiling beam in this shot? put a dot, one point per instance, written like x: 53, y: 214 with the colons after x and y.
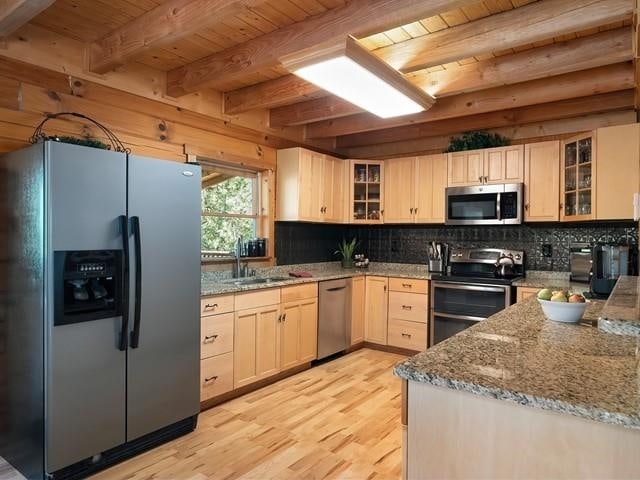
x: 560, y: 87
x: 524, y: 25
x: 592, y: 51
x: 16, y: 13
x: 357, y: 17
x: 574, y: 107
x: 165, y: 24
x: 602, y: 48
x: 270, y: 94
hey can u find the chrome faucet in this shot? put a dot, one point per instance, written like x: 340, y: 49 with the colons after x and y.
x: 237, y: 268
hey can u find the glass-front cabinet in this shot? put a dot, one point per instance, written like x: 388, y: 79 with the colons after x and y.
x: 367, y: 192
x: 577, y: 201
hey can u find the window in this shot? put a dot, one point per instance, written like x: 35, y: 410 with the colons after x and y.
x: 230, y: 209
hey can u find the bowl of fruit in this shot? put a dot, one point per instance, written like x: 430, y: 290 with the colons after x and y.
x: 561, y: 305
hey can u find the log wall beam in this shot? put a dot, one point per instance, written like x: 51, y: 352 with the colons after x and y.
x: 357, y: 17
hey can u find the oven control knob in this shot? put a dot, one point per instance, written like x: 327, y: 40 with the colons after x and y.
x: 518, y: 257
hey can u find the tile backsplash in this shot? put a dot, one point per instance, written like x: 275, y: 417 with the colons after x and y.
x: 304, y: 243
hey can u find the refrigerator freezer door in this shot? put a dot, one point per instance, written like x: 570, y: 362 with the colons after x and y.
x: 163, y: 370
x: 85, y: 387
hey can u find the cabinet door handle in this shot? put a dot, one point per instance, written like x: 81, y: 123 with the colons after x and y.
x: 415, y: 210
x: 411, y: 211
x: 210, y: 338
x: 211, y: 306
x: 284, y: 317
x: 279, y: 318
x: 526, y: 207
x: 381, y: 212
x: 561, y: 206
x: 406, y: 335
x: 211, y: 379
x: 486, y: 179
x: 406, y: 307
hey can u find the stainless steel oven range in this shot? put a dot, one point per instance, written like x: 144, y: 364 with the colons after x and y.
x: 478, y: 284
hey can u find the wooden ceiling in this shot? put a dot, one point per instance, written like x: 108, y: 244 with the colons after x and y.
x: 489, y: 63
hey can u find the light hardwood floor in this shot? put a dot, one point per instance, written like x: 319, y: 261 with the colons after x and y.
x: 338, y: 420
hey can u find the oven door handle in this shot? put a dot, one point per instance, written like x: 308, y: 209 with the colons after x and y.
x: 475, y: 288
x: 458, y: 317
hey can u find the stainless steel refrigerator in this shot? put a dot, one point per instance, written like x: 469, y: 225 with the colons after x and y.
x: 99, y: 306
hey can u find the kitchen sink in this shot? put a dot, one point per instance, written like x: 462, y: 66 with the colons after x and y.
x: 255, y: 280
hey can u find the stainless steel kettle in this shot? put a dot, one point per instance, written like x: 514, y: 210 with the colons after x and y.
x: 505, y: 267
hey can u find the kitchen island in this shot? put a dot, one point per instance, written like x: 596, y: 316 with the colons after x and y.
x: 519, y: 396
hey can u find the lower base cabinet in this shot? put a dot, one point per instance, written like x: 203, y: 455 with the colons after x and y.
x: 256, y: 346
x: 298, y: 332
x: 526, y: 292
x: 375, y: 316
x: 357, y: 309
x: 216, y: 376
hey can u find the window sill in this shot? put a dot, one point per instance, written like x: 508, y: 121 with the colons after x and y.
x: 230, y: 260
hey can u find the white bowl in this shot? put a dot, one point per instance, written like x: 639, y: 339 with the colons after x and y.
x: 563, y: 311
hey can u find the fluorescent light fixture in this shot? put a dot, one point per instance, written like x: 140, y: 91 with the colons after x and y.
x: 354, y: 74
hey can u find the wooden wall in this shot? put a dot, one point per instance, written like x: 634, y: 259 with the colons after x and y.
x: 146, y: 126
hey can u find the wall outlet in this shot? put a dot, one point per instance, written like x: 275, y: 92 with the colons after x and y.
x: 547, y: 250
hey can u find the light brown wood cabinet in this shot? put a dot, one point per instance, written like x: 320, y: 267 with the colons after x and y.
x: 256, y: 351
x: 376, y: 302
x: 216, y: 345
x: 578, y: 178
x: 408, y: 313
x: 486, y: 166
x: 617, y: 171
x: 542, y: 182
x: 415, y: 188
x: 366, y: 191
x: 526, y: 292
x: 357, y: 309
x: 310, y: 186
x: 298, y: 332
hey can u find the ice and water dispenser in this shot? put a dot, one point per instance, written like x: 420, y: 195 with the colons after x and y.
x: 88, y: 285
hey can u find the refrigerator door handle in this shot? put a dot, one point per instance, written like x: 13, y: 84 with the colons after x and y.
x: 124, y: 334
x: 135, y: 334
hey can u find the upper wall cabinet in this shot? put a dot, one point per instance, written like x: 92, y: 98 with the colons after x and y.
x: 577, y: 178
x: 310, y: 186
x: 542, y: 182
x: 617, y: 171
x: 415, y: 188
x: 366, y: 191
x: 491, y: 165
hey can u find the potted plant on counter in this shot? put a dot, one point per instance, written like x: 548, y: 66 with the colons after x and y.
x: 346, y: 251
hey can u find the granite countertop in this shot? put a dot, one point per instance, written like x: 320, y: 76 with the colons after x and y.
x: 519, y: 356
x: 213, y: 284
x: 621, y: 314
x: 542, y: 279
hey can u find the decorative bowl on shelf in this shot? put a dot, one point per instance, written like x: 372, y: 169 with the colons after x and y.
x: 563, y: 311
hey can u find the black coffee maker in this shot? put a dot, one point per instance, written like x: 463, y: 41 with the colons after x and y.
x: 608, y: 263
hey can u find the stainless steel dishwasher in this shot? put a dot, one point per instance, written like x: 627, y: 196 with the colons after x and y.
x: 334, y: 316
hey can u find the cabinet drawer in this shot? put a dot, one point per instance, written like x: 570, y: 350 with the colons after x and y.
x: 298, y: 292
x: 408, y: 306
x: 410, y: 335
x: 257, y: 299
x: 215, y: 305
x: 216, y: 376
x: 408, y: 285
x: 216, y: 335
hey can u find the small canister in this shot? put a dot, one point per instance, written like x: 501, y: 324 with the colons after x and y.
x: 261, y: 247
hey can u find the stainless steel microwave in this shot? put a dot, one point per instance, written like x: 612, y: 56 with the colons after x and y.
x: 484, y: 205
